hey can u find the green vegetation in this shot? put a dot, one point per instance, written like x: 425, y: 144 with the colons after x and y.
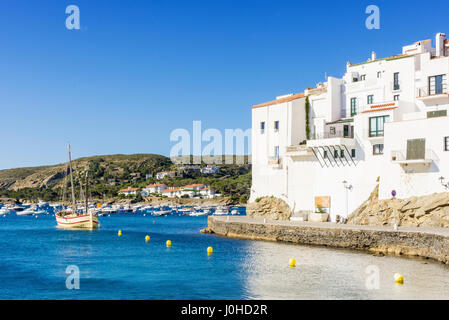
x: 307, y: 118
x: 108, y: 174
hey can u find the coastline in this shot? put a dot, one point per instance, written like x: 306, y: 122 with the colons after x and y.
x: 431, y: 243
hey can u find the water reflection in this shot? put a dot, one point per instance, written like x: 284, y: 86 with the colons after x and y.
x: 323, y: 273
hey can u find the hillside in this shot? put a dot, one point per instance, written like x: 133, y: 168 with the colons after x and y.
x: 101, y: 167
x: 109, y: 173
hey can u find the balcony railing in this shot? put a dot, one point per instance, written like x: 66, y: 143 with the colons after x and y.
x: 426, y: 92
x: 400, y: 156
x: 331, y: 134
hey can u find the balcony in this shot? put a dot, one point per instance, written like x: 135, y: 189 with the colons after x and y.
x: 299, y: 151
x: 400, y: 157
x: 424, y: 94
x: 275, y: 163
x: 331, y: 138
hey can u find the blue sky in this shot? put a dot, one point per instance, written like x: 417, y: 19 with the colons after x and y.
x: 139, y: 69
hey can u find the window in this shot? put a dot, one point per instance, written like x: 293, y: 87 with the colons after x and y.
x: 355, y: 80
x: 396, y: 97
x: 363, y: 77
x: 332, y: 131
x: 379, y: 74
x: 378, y: 149
x: 262, y: 127
x: 342, y: 153
x: 396, y: 81
x: 376, y: 126
x: 436, y: 113
x: 352, y: 153
x: 353, y: 106
x: 276, y: 126
x: 276, y: 153
x: 446, y: 143
x: 437, y: 84
x: 370, y: 99
x: 335, y: 154
x: 325, y: 154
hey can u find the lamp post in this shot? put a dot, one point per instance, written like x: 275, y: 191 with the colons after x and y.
x: 445, y: 185
x: 347, y: 187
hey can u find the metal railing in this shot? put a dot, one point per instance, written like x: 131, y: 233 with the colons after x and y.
x: 331, y: 134
x: 426, y: 92
x: 401, y: 155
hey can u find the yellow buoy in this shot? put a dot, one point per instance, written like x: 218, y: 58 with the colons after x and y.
x: 168, y: 243
x: 119, y: 233
x: 398, y: 278
x: 210, y: 250
x: 147, y: 238
x: 292, y: 263
x: 99, y: 225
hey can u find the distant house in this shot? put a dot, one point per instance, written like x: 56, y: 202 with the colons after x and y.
x: 210, y: 169
x: 162, y: 175
x: 189, y: 168
x: 148, y: 176
x: 112, y: 182
x: 195, y: 187
x: 153, y: 188
x: 208, y: 193
x: 129, y: 191
x: 172, y: 192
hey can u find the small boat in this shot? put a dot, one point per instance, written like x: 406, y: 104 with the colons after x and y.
x: 72, y: 219
x: 221, y: 211
x: 234, y: 212
x: 161, y: 213
x: 26, y: 212
x: 18, y: 208
x: 199, y: 214
x: 4, y: 211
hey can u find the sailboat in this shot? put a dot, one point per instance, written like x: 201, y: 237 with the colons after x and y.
x: 72, y: 219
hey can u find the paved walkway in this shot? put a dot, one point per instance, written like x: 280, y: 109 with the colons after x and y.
x: 331, y: 225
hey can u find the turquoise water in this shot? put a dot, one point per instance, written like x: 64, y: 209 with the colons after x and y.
x: 34, y: 256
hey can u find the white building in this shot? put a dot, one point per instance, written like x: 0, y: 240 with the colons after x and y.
x: 210, y: 169
x: 384, y: 122
x: 153, y: 188
x: 129, y: 191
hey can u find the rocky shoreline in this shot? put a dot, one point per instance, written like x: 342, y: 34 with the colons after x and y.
x: 431, y: 243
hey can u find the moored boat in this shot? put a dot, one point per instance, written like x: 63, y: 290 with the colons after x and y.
x: 72, y: 219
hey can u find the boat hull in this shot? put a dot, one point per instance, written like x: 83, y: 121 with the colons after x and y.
x: 77, y: 222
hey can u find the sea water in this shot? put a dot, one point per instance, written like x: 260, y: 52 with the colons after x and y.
x: 35, y: 256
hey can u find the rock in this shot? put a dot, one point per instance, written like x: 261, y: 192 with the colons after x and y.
x: 270, y: 208
x: 424, y: 211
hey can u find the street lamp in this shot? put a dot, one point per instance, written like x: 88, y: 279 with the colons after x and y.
x: 446, y: 185
x: 347, y: 187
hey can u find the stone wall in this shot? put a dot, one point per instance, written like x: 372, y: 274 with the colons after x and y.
x: 425, y: 211
x: 270, y: 208
x: 423, y: 244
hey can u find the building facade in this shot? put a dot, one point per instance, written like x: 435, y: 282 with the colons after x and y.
x: 383, y: 123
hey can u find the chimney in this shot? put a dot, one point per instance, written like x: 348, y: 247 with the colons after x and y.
x: 439, y: 44
x: 373, y: 56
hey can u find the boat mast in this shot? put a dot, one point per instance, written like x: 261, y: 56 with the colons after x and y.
x: 71, y: 180
x: 87, y: 198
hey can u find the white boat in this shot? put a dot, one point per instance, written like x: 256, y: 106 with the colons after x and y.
x: 234, y: 212
x: 4, y: 211
x: 161, y: 213
x: 26, y: 212
x: 199, y: 214
x: 73, y: 219
x: 221, y: 211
